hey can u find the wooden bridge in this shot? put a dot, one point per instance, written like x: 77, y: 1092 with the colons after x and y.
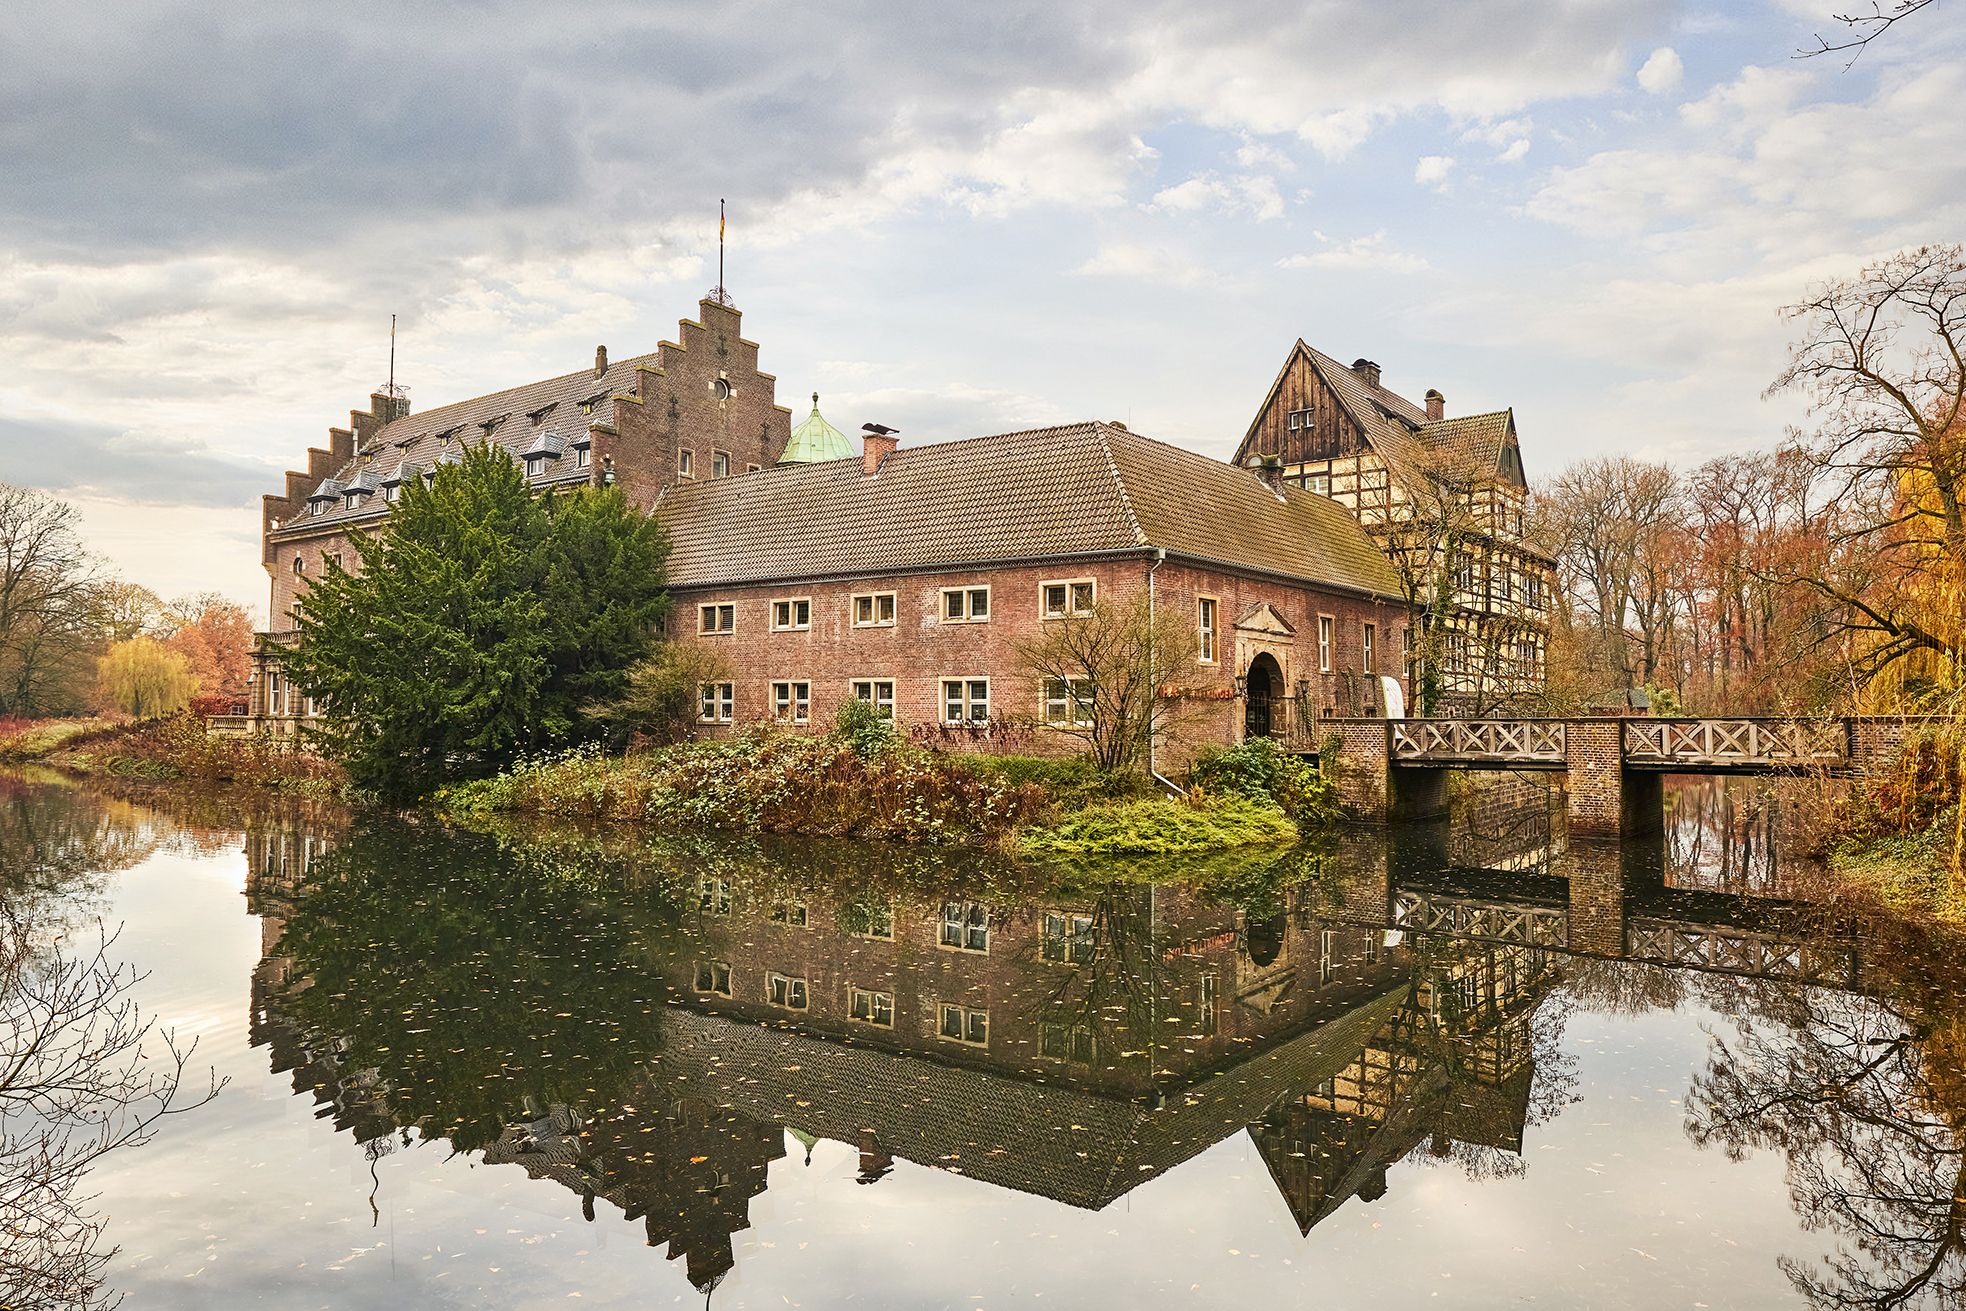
x: 1395, y: 768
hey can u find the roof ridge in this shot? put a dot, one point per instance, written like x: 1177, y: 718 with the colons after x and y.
x: 426, y: 415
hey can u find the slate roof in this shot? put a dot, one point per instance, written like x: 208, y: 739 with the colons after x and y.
x: 1077, y: 490
x: 518, y: 418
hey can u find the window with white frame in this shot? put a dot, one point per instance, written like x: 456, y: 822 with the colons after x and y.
x: 1060, y: 600
x: 1205, y: 609
x: 713, y: 895
x: 964, y: 1024
x: 1319, y: 483
x: 873, y: 610
x: 716, y: 703
x: 1325, y: 624
x: 713, y: 977
x: 793, y: 914
x: 792, y: 701
x: 1066, y: 1042
x: 1205, y: 1000
x: 786, y: 990
x: 1067, y: 937
x: 300, y: 566
x: 686, y: 463
x: 876, y: 692
x: 965, y: 605
x: 1327, y: 957
x: 965, y: 926
x: 581, y: 455
x: 791, y: 615
x: 1298, y: 419
x: 392, y: 493
x: 870, y: 1007
x: 330, y: 561
x: 1368, y: 644
x: 753, y: 468
x: 1068, y: 702
x: 720, y: 464
x: 719, y: 618
x: 965, y: 700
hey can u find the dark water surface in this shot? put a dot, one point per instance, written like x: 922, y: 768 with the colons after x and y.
x: 1459, y: 1064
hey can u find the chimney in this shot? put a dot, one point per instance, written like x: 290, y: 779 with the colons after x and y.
x: 600, y: 360
x: 1436, y: 404
x: 875, y: 447
x: 1367, y: 370
x: 1268, y: 468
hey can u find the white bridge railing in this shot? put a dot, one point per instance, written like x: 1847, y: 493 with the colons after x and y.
x: 1736, y: 741
x: 1539, y: 740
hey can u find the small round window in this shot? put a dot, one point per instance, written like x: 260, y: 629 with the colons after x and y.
x: 721, y: 388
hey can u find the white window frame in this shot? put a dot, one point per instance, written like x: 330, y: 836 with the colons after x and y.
x: 959, y: 920
x: 1066, y: 702
x: 790, y: 607
x: 719, y: 463
x: 1327, y: 642
x: 1073, y: 609
x: 707, y: 614
x: 786, y: 700
x: 581, y: 456
x: 716, y: 703
x: 966, y: 698
x: 718, y: 975
x: 1074, y: 930
x: 873, y: 600
x: 968, y: 595
x: 1319, y: 483
x: 1208, y: 633
x: 685, y: 463
x: 965, y: 1023
x: 713, y: 895
x: 869, y: 690
x: 1368, y: 648
x: 300, y: 565
x: 791, y: 986
x: 875, y: 1000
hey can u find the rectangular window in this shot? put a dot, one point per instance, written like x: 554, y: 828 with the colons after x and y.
x: 1319, y: 483
x: 1324, y: 626
x: 876, y: 692
x: 1068, y: 702
x: 1327, y: 957
x: 869, y: 919
x: 753, y: 468
x: 1064, y: 599
x: 580, y: 457
x: 1207, y: 1004
x: 965, y: 925
x: 1532, y: 591
x: 965, y: 1024
x: 391, y: 492
x: 1368, y: 639
x: 1299, y: 419
x: 1205, y: 630
x: 965, y: 700
x: 716, y: 618
x: 792, y: 701
x: 1067, y: 937
x: 791, y: 616
x: 1066, y: 1042
x: 713, y: 895
x: 330, y: 561
x: 790, y: 913
x: 873, y: 610
x: 875, y: 1008
x: 785, y: 990
x: 965, y: 605
x: 716, y: 703
x: 720, y: 464
x: 713, y: 976
x: 686, y: 463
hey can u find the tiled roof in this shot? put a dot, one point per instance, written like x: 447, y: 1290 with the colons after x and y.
x: 1080, y: 489
x: 1475, y: 440
x: 1400, y: 431
x: 519, y: 418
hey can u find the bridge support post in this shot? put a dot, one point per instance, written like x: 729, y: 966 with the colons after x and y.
x: 1595, y: 873
x: 1415, y: 793
x: 1364, y: 755
x: 1603, y: 798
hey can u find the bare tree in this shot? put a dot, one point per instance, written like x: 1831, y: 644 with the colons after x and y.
x: 78, y: 1080
x: 1613, y: 522
x: 1433, y: 542
x: 50, y: 594
x: 1099, y: 675
x: 1860, y: 29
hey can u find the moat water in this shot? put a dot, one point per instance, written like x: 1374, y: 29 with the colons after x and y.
x: 1460, y: 1064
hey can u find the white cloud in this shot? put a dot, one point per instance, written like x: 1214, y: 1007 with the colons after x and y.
x: 1368, y: 252
x: 1255, y: 195
x: 1254, y: 154
x: 1432, y: 170
x: 1143, y: 262
x: 1660, y: 75
x: 1517, y: 149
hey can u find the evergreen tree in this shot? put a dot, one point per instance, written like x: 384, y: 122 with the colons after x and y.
x: 483, y: 618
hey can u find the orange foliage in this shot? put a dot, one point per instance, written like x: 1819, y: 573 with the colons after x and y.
x: 215, y: 637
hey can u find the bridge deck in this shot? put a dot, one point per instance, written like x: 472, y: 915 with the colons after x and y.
x: 1685, y: 746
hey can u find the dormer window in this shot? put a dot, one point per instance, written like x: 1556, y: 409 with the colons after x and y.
x: 535, y: 465
x: 391, y: 493
x: 318, y: 508
x: 580, y: 457
x: 355, y: 500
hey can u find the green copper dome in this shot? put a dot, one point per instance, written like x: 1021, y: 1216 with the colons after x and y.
x: 816, y: 440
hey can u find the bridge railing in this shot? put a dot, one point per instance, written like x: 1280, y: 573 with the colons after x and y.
x: 1477, y: 739
x: 1736, y: 741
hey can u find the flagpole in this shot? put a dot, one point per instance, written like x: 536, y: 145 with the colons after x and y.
x: 720, y: 251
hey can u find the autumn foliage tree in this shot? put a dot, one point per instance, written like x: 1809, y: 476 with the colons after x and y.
x: 144, y: 678
x: 215, y: 637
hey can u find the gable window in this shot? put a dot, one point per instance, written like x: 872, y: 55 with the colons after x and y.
x: 1205, y: 630
x: 1071, y: 597
x: 791, y: 616
x: 965, y: 700
x: 1368, y: 640
x: 713, y: 895
x: 964, y: 1024
x: 716, y: 618
x: 875, y: 1008
x: 317, y: 507
x: 876, y: 692
x: 1298, y: 419
x: 1066, y: 1042
x: 580, y: 457
x: 1324, y: 627
x: 716, y: 703
x: 965, y: 605
x: 753, y: 468
x: 686, y: 463
x: 713, y: 977
x: 965, y: 926
x: 720, y: 464
x: 355, y: 500
x: 792, y: 701
x: 535, y: 465
x: 1068, y: 702
x: 873, y: 610
x: 785, y: 990
x: 791, y: 913
x: 392, y: 493
x: 1067, y: 937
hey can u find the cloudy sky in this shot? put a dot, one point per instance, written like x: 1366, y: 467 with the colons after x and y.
x: 955, y: 219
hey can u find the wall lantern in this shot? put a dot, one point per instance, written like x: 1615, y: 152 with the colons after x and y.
x: 607, y: 471
x: 1242, y: 684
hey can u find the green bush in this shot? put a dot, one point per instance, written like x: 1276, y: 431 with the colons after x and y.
x: 1069, y: 782
x: 1262, y: 770
x: 1162, y: 827
x: 862, y: 726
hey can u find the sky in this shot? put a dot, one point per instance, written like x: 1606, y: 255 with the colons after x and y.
x: 952, y: 219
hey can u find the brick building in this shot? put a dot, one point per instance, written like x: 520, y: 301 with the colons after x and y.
x: 1439, y: 494
x: 910, y: 577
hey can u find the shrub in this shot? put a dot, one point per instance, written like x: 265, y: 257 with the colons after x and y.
x: 661, y: 699
x: 1261, y: 770
x: 1162, y: 827
x: 862, y: 726
x: 1069, y: 782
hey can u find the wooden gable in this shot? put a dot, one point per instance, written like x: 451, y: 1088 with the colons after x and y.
x: 1301, y: 419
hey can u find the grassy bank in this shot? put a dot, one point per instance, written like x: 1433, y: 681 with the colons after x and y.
x: 173, y: 749
x: 1902, y: 834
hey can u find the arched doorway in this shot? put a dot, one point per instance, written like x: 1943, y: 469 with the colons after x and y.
x: 1262, y: 705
